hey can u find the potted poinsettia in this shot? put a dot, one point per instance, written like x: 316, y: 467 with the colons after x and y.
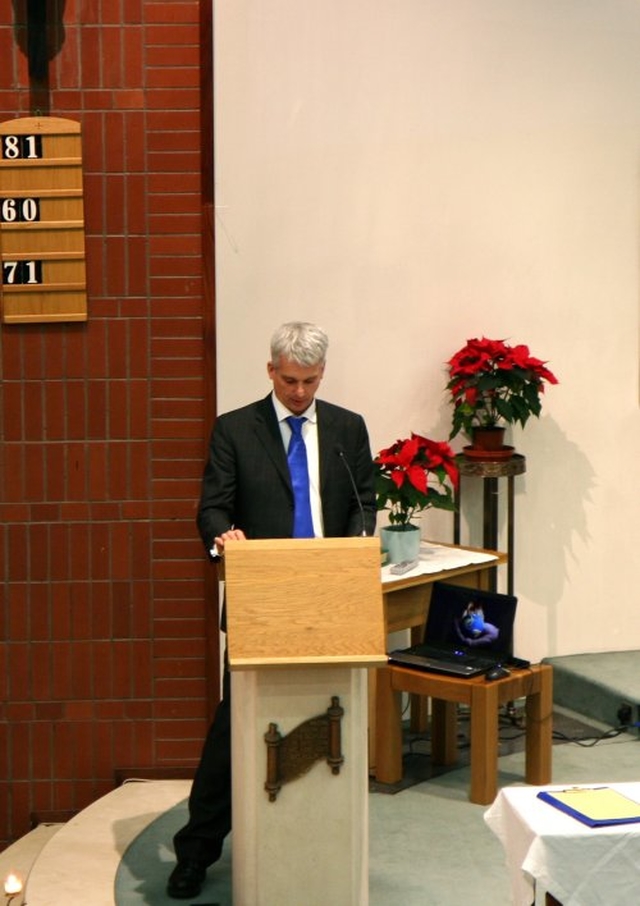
x: 491, y: 382
x: 412, y: 475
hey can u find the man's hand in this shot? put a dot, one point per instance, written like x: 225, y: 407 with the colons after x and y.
x: 231, y: 535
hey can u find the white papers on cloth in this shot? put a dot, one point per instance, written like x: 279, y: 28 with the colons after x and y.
x: 436, y: 558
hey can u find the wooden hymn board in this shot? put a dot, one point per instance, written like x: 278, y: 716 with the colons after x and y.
x: 42, y: 221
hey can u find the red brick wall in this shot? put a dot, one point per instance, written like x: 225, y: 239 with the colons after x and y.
x: 103, y: 426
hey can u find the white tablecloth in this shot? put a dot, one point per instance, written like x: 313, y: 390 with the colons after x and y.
x: 579, y: 865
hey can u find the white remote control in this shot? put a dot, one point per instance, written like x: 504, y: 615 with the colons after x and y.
x: 399, y: 569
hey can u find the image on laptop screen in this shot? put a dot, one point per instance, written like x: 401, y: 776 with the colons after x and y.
x: 472, y: 619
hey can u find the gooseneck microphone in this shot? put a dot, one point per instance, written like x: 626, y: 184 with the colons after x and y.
x: 341, y: 454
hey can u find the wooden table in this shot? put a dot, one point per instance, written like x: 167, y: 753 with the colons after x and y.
x: 483, y: 698
x: 406, y: 605
x: 406, y: 600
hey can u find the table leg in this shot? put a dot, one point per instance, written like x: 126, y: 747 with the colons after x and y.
x: 484, y: 743
x: 419, y: 719
x: 371, y: 707
x: 510, y: 533
x: 388, y: 736
x: 444, y: 732
x: 539, y: 728
x: 419, y: 711
x: 490, y: 523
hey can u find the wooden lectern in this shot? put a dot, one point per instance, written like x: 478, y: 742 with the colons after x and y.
x: 304, y: 621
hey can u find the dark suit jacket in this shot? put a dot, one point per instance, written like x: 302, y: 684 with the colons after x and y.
x: 246, y: 480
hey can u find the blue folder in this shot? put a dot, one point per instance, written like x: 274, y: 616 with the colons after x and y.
x: 594, y: 806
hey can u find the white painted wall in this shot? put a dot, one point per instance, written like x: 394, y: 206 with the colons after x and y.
x: 411, y: 173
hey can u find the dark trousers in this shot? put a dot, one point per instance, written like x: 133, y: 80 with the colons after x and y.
x: 209, y: 821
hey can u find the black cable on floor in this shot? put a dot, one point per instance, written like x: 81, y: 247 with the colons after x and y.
x: 588, y: 741
x: 511, y: 720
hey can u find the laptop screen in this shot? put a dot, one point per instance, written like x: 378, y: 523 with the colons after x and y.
x: 471, y: 619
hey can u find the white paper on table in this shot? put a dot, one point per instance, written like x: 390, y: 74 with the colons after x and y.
x: 435, y: 558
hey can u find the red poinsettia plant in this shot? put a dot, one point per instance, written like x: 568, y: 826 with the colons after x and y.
x: 414, y: 474
x: 491, y: 382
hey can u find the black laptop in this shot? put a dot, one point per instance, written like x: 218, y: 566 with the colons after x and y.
x: 468, y: 632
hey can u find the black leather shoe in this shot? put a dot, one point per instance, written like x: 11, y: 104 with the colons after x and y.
x: 186, y: 879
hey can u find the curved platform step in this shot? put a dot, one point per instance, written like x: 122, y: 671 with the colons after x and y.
x: 595, y: 685
x: 80, y: 863
x: 18, y: 858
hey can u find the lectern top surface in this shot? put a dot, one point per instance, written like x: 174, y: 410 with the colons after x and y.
x: 304, y: 601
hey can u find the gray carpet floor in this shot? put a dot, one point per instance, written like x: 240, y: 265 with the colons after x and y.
x: 429, y: 846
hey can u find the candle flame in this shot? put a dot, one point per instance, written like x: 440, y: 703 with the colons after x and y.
x: 12, y: 884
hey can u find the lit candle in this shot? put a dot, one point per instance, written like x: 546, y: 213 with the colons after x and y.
x: 12, y: 885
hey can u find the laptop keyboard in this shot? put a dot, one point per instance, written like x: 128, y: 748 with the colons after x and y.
x: 455, y: 657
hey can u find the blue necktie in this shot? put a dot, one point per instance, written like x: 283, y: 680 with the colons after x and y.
x: 299, y: 469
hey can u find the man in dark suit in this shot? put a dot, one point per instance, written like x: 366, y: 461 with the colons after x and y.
x: 248, y: 492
